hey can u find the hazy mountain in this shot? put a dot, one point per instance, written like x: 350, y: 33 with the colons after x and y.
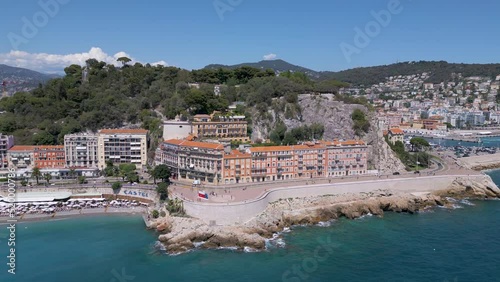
x: 277, y: 65
x: 19, y: 79
x: 440, y: 71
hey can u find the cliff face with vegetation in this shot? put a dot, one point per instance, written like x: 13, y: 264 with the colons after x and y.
x: 380, y: 156
x: 334, y: 115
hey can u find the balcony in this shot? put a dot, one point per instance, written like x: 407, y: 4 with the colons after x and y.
x: 259, y: 172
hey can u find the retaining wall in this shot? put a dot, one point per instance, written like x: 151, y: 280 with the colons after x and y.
x: 237, y: 213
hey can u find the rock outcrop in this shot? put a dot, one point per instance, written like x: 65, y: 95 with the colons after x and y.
x: 381, y: 156
x: 323, y: 109
x: 183, y: 234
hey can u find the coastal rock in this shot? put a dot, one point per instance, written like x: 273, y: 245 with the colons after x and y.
x: 187, y: 233
x: 465, y: 187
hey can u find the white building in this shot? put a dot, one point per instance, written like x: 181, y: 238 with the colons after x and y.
x: 176, y: 129
x: 81, y: 150
x: 122, y: 146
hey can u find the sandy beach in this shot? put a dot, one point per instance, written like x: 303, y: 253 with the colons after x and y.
x: 78, y: 213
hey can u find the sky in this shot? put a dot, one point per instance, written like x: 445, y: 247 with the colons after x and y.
x: 323, y: 35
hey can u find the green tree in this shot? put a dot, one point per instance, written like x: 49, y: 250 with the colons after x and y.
x: 36, y: 173
x: 162, y: 190
x: 47, y: 177
x: 361, y: 124
x: 116, y: 187
x: 82, y: 179
x: 124, y: 60
x: 419, y: 143
x: 155, y: 214
x: 161, y: 172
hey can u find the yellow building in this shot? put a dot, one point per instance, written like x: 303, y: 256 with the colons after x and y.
x: 122, y: 146
x: 222, y: 128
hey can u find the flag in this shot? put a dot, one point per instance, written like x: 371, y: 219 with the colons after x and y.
x: 203, y: 195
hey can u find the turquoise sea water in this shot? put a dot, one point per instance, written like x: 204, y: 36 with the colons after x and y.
x: 440, y: 245
x: 485, y: 142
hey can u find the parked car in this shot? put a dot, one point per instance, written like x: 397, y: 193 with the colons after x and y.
x: 417, y: 172
x: 396, y: 173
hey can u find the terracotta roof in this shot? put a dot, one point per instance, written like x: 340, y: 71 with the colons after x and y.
x: 397, y: 131
x: 309, y: 146
x: 186, y: 143
x: 37, y: 148
x: 270, y: 149
x: 22, y: 148
x: 235, y: 154
x: 345, y: 143
x: 123, y: 131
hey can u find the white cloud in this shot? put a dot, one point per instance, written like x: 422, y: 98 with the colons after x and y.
x: 270, y: 57
x: 160, y: 63
x: 55, y: 63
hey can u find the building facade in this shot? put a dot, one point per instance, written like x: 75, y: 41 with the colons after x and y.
x: 192, y: 160
x: 223, y: 128
x: 81, y: 150
x: 122, y: 146
x: 176, y: 129
x: 6, y: 142
x: 215, y: 163
x: 394, y: 135
x: 29, y: 157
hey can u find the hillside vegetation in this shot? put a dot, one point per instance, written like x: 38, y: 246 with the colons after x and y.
x: 105, y: 96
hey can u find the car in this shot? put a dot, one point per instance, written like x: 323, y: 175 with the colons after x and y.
x: 396, y: 173
x: 417, y: 172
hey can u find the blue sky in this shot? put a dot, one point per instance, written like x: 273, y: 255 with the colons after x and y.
x: 192, y: 33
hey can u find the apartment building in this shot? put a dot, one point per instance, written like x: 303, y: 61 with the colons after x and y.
x: 21, y: 157
x: 394, y: 135
x: 223, y: 128
x: 237, y: 167
x: 215, y: 163
x: 81, y: 150
x: 346, y: 158
x: 6, y: 142
x: 122, y: 146
x: 29, y: 157
x: 192, y: 160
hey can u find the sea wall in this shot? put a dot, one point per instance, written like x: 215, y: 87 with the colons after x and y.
x: 484, y: 162
x: 126, y: 192
x: 238, y: 213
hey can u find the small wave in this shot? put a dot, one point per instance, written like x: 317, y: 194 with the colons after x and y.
x: 365, y: 216
x: 198, y: 244
x: 276, y: 241
x: 467, y: 202
x: 158, y: 248
x: 325, y: 223
x: 228, y: 248
x: 249, y: 250
x: 286, y: 230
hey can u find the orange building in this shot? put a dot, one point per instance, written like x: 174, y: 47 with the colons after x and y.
x: 202, y: 161
x: 29, y: 157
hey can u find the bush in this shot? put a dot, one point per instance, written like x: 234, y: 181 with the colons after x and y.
x: 163, y: 214
x: 155, y: 214
x: 116, y: 186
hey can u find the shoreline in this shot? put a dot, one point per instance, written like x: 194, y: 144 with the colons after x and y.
x: 98, y: 212
x: 179, y: 235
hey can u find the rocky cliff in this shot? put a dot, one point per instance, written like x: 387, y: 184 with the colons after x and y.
x: 324, y: 109
x: 380, y: 155
x: 336, y: 118
x: 183, y: 234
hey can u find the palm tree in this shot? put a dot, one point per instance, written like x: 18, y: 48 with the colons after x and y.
x: 36, y: 174
x: 72, y: 173
x: 47, y: 177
